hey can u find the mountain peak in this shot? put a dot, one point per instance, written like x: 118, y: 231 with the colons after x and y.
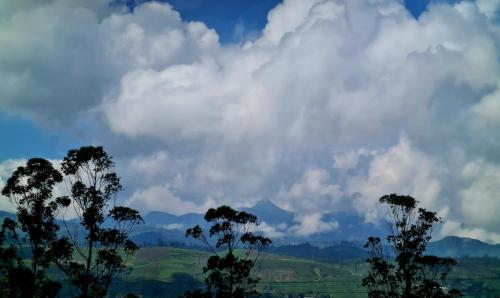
x: 264, y: 204
x: 267, y: 211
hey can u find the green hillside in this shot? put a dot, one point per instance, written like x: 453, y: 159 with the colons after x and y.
x: 168, y: 272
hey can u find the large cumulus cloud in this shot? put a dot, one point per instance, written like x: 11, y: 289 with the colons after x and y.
x: 335, y: 104
x: 60, y: 58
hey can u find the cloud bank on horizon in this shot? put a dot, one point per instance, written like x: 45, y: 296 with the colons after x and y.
x: 336, y: 103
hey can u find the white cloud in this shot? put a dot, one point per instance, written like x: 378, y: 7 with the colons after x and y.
x: 455, y: 228
x: 489, y: 7
x: 350, y: 160
x: 312, y: 224
x: 486, y: 113
x: 149, y: 166
x: 346, y: 161
x: 51, y: 67
x: 286, y: 17
x: 235, y: 123
x: 308, y: 89
x: 174, y: 226
x: 272, y: 231
x: 403, y: 170
x: 312, y: 192
x: 58, y: 68
x: 7, y: 167
x: 480, y: 198
x: 161, y: 198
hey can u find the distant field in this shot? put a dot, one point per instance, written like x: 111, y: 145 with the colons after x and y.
x: 169, y: 272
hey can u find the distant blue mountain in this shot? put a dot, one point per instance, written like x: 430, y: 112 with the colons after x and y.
x: 454, y: 247
x: 351, y: 226
x: 345, y: 242
x: 161, y: 228
x: 352, y: 230
x: 5, y: 214
x: 457, y: 247
x: 266, y: 211
x: 162, y: 219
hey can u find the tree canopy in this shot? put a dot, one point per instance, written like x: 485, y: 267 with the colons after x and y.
x: 105, y: 243
x: 100, y: 250
x: 412, y: 273
x: 30, y: 189
x: 228, y: 273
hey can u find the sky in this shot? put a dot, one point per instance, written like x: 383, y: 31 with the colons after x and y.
x: 318, y: 105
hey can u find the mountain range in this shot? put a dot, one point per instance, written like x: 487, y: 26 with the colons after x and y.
x: 350, y: 227
x: 344, y: 242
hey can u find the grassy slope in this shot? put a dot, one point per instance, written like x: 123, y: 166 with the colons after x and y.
x: 169, y: 272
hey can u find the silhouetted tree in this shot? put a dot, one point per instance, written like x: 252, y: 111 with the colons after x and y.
x: 30, y: 190
x: 228, y: 274
x: 104, y: 243
x: 412, y: 273
x: 16, y: 280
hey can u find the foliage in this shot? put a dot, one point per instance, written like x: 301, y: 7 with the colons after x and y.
x: 413, y: 274
x: 15, y: 278
x: 105, y: 243
x: 30, y: 189
x: 228, y: 274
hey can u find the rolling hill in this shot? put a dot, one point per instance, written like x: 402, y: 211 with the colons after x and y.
x: 169, y: 272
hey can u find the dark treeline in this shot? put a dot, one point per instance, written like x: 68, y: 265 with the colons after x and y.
x: 88, y: 257
x: 91, y: 256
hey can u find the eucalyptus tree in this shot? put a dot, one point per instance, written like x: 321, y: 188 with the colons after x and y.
x: 16, y: 280
x: 412, y: 273
x: 229, y: 274
x: 103, y: 245
x: 30, y: 189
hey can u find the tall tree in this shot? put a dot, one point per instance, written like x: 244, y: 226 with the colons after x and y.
x: 412, y: 273
x: 228, y: 273
x: 104, y: 244
x: 30, y: 188
x: 16, y: 280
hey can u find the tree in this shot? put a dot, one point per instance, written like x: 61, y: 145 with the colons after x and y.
x: 30, y: 188
x: 412, y: 273
x: 104, y: 243
x: 227, y: 273
x: 16, y: 280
